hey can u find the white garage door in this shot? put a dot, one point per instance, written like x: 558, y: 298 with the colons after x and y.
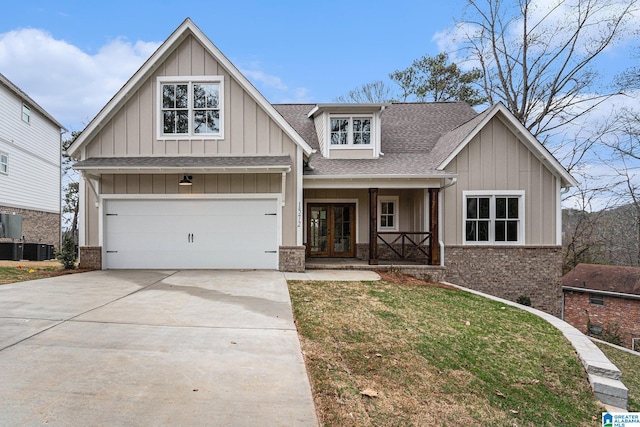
x: 191, y: 234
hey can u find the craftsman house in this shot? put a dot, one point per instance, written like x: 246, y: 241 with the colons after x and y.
x: 604, y: 301
x: 30, y: 144
x: 189, y: 166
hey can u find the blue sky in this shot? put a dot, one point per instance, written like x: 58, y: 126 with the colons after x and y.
x: 72, y: 56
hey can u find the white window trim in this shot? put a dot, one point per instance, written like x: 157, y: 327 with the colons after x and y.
x: 396, y: 212
x: 26, y: 108
x: 6, y: 164
x: 350, y: 145
x: 492, y: 216
x: 190, y: 80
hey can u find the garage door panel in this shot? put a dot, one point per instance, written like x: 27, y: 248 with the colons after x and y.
x: 191, y: 234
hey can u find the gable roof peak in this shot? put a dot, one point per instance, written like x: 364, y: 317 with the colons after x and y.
x: 187, y: 27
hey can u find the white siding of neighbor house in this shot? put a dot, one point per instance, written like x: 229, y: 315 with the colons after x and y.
x: 248, y: 130
x: 496, y: 160
x: 33, y: 179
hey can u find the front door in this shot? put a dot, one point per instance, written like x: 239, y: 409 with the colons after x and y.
x: 331, y: 230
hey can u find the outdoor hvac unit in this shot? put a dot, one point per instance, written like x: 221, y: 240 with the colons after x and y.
x: 10, y: 226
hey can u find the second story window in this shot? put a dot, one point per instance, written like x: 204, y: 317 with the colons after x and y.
x: 190, y: 108
x: 354, y: 131
x: 26, y: 113
x: 4, y: 163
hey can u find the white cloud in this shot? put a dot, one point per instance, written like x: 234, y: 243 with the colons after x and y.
x: 70, y: 84
x: 272, y: 87
x: 73, y: 85
x: 260, y: 77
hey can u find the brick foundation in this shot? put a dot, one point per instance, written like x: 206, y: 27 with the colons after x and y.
x: 509, y: 272
x: 292, y: 258
x: 37, y: 226
x: 622, y: 314
x: 90, y: 257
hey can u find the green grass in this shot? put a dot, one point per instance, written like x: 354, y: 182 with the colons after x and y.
x: 629, y: 365
x: 15, y: 274
x: 435, y: 356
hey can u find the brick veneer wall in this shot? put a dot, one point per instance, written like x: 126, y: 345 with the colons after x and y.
x: 509, y: 272
x: 90, y: 257
x: 292, y: 258
x: 617, y: 312
x: 37, y: 226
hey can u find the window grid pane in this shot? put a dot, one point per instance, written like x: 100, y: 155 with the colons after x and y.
x: 361, y: 131
x: 387, y: 215
x: 339, y: 131
x: 492, y: 219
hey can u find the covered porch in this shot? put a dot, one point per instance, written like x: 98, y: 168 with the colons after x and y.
x: 394, y: 223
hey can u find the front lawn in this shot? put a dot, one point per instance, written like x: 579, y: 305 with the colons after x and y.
x: 27, y: 271
x: 386, y: 354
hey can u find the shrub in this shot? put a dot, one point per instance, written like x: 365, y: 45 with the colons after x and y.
x: 68, y: 254
x: 524, y: 300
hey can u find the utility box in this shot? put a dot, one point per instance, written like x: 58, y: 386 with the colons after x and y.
x: 10, y: 226
x: 11, y: 251
x: 35, y: 251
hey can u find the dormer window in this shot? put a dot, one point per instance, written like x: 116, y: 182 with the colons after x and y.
x: 351, y: 131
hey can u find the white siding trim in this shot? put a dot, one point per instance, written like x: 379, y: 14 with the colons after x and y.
x: 299, y: 197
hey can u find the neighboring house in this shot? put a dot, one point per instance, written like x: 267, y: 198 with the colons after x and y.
x: 603, y: 300
x: 30, y: 144
x: 189, y: 166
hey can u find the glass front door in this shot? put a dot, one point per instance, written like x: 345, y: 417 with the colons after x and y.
x: 331, y: 230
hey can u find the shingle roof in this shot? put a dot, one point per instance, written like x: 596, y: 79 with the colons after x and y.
x: 410, y: 131
x: 610, y: 278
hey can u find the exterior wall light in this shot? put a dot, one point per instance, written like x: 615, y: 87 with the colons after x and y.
x: 186, y: 180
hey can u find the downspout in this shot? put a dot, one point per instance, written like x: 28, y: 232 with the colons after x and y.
x: 451, y: 183
x: 61, y: 191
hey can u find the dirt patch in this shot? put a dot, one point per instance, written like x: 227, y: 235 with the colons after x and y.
x: 398, y: 278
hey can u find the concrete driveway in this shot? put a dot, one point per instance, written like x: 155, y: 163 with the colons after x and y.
x: 152, y: 348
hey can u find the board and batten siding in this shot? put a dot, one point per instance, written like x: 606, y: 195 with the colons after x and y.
x: 496, y: 160
x: 33, y: 149
x: 248, y: 130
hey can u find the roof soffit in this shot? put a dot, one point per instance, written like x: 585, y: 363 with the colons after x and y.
x: 157, y: 58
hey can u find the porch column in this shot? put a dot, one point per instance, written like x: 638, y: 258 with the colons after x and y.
x: 373, y: 226
x: 433, y: 221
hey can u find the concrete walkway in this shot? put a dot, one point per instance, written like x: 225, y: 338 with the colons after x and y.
x: 152, y: 348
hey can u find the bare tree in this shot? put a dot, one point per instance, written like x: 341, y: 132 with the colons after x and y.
x: 537, y: 57
x: 373, y: 92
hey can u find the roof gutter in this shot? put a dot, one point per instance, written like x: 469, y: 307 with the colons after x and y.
x: 599, y: 292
